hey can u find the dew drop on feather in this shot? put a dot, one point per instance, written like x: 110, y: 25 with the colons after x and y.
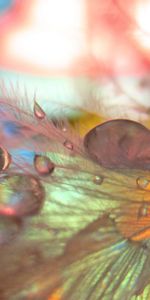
x: 59, y: 124
x: 5, y: 159
x: 43, y: 165
x: 38, y: 111
x: 98, y: 179
x: 143, y: 183
x: 21, y: 195
x: 68, y: 145
x: 119, y: 144
x: 89, y: 237
x: 143, y: 210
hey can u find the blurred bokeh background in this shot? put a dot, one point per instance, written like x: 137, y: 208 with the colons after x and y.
x: 78, y: 52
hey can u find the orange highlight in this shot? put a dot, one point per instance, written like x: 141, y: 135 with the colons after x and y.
x: 144, y: 234
x: 55, y: 296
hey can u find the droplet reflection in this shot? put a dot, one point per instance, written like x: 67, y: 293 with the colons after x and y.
x: 21, y: 195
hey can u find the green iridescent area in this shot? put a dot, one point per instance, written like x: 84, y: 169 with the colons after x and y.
x: 74, y: 243
x: 82, y: 229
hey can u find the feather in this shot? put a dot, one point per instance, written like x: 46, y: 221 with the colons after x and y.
x: 90, y: 239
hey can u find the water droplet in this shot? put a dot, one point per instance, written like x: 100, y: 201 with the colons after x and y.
x: 143, y: 210
x: 38, y: 111
x: 112, y: 216
x: 5, y: 159
x: 21, y: 195
x: 98, y: 179
x: 119, y: 144
x: 64, y: 129
x: 68, y: 145
x: 60, y: 124
x: 143, y: 183
x: 43, y: 165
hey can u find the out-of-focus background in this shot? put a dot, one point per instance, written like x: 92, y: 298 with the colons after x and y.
x: 78, y: 52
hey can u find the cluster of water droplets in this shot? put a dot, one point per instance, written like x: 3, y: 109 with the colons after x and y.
x: 22, y: 194
x: 114, y: 146
x: 143, y: 183
x: 122, y: 145
x: 111, y: 145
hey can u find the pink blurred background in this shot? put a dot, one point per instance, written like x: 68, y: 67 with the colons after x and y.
x: 74, y: 51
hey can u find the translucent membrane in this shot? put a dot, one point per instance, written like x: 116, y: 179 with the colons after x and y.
x: 119, y: 144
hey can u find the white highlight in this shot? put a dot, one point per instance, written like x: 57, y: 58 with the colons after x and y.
x: 55, y: 35
x: 142, y: 15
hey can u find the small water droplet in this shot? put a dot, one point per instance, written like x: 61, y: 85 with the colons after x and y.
x: 38, y: 111
x: 5, y: 159
x: 64, y: 129
x: 98, y: 179
x: 21, y: 195
x: 68, y: 145
x: 60, y: 124
x: 143, y: 210
x: 43, y: 165
x: 143, y: 183
x: 112, y: 216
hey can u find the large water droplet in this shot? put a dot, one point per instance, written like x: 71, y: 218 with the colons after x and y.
x: 21, y: 195
x: 5, y: 159
x: 143, y: 183
x: 38, y: 111
x: 119, y: 144
x: 43, y: 165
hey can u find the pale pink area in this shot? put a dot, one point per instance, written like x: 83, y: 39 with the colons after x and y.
x: 90, y: 38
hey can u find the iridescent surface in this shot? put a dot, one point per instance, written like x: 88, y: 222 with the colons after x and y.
x: 82, y: 232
